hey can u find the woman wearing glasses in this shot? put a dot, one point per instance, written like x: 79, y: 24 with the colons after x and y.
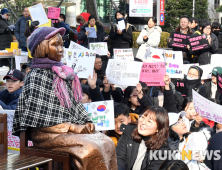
x: 140, y: 140
x: 182, y: 141
x: 204, y: 55
x: 5, y: 32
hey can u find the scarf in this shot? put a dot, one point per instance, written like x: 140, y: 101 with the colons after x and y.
x: 94, y: 27
x: 62, y: 74
x: 120, y: 19
x: 192, y: 84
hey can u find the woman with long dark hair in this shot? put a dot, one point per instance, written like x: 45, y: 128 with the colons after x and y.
x: 139, y: 140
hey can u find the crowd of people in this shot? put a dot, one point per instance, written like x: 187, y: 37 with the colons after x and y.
x: 48, y: 99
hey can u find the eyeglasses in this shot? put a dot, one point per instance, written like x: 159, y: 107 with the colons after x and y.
x: 133, y: 95
x: 193, y: 75
x: 147, y: 123
x: 99, y: 63
x: 178, y: 123
x: 207, y: 28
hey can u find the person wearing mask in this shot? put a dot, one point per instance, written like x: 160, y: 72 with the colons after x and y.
x: 211, y: 86
x: 139, y: 140
x: 181, y: 140
x: 121, y: 38
x: 149, y: 37
x: 20, y: 29
x: 83, y: 34
x: 62, y: 20
x: 216, y: 29
x: 204, y: 55
x: 182, y: 29
x: 193, y: 81
x: 5, y: 30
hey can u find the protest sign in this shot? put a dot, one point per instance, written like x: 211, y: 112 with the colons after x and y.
x: 100, y: 48
x: 153, y: 73
x: 53, y: 13
x: 92, y: 32
x: 216, y: 60
x: 198, y: 43
x: 179, y: 40
x: 13, y: 141
x: 181, y: 86
x: 123, y: 54
x: 187, y: 66
x: 174, y: 63
x: 207, y: 69
x: 153, y: 55
x: 102, y: 114
x: 206, y: 108
x: 219, y: 83
x: 121, y: 25
x: 123, y: 72
x: 141, y: 8
x: 20, y: 60
x: 81, y: 62
x: 37, y: 13
x: 76, y: 46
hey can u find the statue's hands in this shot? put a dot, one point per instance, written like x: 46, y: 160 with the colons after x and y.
x: 82, y: 129
x: 91, y: 127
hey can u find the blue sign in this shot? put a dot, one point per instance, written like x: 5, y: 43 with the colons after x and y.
x: 161, y: 18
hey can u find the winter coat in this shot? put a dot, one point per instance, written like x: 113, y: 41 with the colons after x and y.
x: 204, y: 56
x: 67, y: 27
x: 197, y: 141
x: 20, y: 29
x: 219, y: 37
x: 153, y: 40
x: 9, y: 101
x: 84, y: 16
x: 127, y: 151
x: 185, y: 51
x: 215, y: 145
x: 207, y: 85
x: 100, y: 34
x: 121, y: 40
x: 96, y: 95
x: 5, y: 37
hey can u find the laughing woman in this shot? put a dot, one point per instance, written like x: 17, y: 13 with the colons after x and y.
x: 138, y: 141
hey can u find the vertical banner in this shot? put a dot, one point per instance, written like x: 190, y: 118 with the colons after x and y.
x: 219, y: 83
x: 141, y: 8
x: 162, y: 12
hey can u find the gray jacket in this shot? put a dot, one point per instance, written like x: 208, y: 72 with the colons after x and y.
x: 19, y: 31
x: 5, y: 38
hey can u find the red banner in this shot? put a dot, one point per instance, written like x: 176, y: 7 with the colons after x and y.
x: 162, y: 12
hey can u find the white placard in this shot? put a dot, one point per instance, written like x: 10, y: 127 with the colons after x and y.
x: 81, y: 62
x: 20, y: 60
x: 37, y: 13
x: 187, y: 66
x: 153, y: 55
x: 174, y: 63
x: 123, y: 72
x: 102, y: 114
x: 76, y: 46
x: 141, y: 8
x: 123, y: 54
x: 207, y: 69
x: 121, y: 25
x: 100, y: 48
x: 206, y: 108
x: 216, y: 60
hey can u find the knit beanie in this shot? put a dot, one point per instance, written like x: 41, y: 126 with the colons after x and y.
x: 198, y: 69
x: 91, y: 17
x: 40, y: 34
x: 4, y: 11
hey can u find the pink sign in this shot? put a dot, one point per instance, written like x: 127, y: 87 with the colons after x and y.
x: 53, y: 13
x: 153, y: 73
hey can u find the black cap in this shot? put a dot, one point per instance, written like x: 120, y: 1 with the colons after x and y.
x: 29, y: 64
x: 14, y: 75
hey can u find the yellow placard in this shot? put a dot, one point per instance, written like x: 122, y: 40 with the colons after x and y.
x: 14, y: 45
x: 9, y: 50
x: 48, y: 24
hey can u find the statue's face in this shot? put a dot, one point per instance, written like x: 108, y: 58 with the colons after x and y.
x: 56, y: 48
